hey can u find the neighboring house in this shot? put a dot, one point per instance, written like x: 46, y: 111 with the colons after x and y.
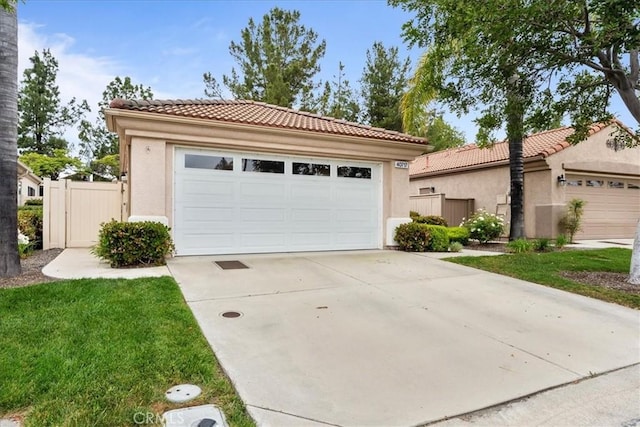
x: 247, y: 177
x: 599, y: 170
x: 29, y: 184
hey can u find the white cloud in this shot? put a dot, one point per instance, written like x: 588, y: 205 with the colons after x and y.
x: 79, y: 75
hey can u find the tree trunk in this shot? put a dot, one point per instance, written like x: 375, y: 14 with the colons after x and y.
x: 9, y: 259
x: 634, y: 272
x: 515, y: 134
x: 630, y: 98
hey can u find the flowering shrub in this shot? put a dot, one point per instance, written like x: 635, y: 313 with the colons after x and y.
x: 24, y: 246
x: 484, y: 226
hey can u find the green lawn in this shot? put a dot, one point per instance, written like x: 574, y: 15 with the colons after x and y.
x: 103, y: 352
x: 543, y: 268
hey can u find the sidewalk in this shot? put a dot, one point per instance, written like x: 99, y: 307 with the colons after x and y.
x: 79, y: 263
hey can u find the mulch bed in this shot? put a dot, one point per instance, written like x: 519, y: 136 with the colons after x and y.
x: 617, y: 281
x: 32, y: 270
x: 608, y: 280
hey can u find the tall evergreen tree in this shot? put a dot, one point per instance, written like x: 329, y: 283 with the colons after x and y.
x: 43, y: 117
x: 99, y: 147
x: 9, y: 259
x: 384, y: 81
x: 277, y: 61
x: 338, y: 100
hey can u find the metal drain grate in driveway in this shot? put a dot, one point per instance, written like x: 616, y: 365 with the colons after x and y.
x: 230, y: 265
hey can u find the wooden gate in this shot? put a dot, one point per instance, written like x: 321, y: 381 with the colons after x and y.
x: 74, y: 210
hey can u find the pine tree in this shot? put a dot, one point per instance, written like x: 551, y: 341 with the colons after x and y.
x: 43, y: 118
x: 277, y: 61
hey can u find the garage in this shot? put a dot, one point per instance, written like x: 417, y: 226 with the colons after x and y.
x: 229, y: 203
x: 238, y: 176
x: 613, y: 204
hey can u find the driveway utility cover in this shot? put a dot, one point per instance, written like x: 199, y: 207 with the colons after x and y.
x: 404, y: 339
x: 182, y: 393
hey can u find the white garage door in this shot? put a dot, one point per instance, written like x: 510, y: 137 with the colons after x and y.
x: 613, y: 205
x: 227, y: 203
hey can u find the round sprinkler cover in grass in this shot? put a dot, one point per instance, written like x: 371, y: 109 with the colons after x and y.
x: 182, y: 393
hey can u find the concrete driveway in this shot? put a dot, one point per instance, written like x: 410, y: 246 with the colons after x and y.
x: 384, y: 338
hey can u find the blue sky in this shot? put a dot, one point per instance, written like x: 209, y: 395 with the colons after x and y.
x: 169, y: 44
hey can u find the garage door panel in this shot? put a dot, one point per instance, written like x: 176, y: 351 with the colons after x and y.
x: 224, y: 212
x: 262, y: 190
x: 198, y: 188
x: 261, y: 240
x: 310, y: 215
x: 309, y: 192
x: 209, y: 240
x: 207, y: 214
x: 258, y: 215
x: 310, y: 239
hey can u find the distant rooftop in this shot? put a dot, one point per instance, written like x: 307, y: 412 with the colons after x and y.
x: 541, y: 144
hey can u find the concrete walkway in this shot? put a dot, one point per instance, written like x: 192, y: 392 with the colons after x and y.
x: 79, y: 263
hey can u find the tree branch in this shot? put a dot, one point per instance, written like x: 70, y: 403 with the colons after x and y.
x: 634, y: 62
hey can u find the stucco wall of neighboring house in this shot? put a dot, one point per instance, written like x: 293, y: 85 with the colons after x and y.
x: 541, y: 215
x: 482, y: 185
x: 593, y: 155
x: 24, y: 183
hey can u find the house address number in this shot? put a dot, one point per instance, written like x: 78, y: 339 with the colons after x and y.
x: 402, y: 165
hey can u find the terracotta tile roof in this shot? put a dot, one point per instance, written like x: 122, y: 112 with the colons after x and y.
x: 541, y: 144
x: 261, y: 114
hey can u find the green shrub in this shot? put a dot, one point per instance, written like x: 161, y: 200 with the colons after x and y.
x: 33, y: 202
x: 30, y: 224
x: 438, y: 238
x: 520, y: 246
x: 431, y: 220
x: 455, y: 247
x: 572, y: 221
x: 412, y: 237
x: 542, y: 245
x: 458, y: 234
x: 561, y: 241
x: 133, y: 243
x: 413, y: 214
x: 484, y: 226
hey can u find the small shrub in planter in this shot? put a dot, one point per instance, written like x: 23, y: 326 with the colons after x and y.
x: 30, y: 224
x: 572, y: 221
x: 33, y: 202
x: 542, y: 245
x: 431, y: 220
x: 412, y: 237
x: 455, y: 247
x: 438, y: 238
x: 520, y: 246
x: 458, y: 234
x: 484, y: 226
x: 126, y: 244
x: 561, y: 241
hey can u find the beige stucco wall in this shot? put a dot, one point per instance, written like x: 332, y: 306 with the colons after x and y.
x: 147, y: 180
x: 593, y: 155
x: 482, y: 185
x: 148, y: 143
